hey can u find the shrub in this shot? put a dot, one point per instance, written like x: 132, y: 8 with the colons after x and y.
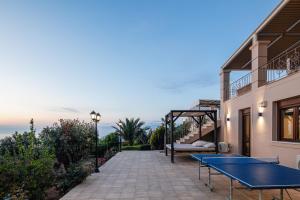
x: 157, y: 138
x: 145, y: 147
x: 141, y: 147
x: 110, y: 143
x: 70, y: 140
x: 26, y: 169
x: 74, y: 175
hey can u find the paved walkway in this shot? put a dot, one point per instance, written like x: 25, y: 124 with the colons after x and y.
x: 149, y: 175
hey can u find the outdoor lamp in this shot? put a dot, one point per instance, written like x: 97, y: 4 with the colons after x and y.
x: 96, y: 118
x: 93, y: 115
x: 261, y: 106
x: 227, y: 118
x: 120, y: 139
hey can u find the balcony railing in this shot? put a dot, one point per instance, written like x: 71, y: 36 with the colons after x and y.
x: 239, y: 87
x: 286, y: 63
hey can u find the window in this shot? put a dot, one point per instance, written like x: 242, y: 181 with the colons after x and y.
x: 287, y: 117
x: 289, y: 120
x: 298, y: 123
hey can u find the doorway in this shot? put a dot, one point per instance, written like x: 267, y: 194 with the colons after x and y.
x: 246, y: 132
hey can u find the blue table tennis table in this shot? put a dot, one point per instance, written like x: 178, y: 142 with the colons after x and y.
x: 200, y: 157
x: 254, y: 173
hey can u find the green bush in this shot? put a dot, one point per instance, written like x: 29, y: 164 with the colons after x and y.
x: 70, y: 140
x: 108, y: 145
x: 141, y: 147
x: 26, y: 169
x: 57, y: 159
x: 157, y: 138
x: 74, y: 175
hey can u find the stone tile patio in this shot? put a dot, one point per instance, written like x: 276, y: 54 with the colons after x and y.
x: 149, y: 175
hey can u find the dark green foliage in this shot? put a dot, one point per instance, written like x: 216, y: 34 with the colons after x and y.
x: 145, y: 147
x: 74, y: 175
x: 111, y: 139
x: 70, y: 140
x: 58, y: 158
x: 157, y: 138
x: 108, y: 145
x: 25, y: 167
x: 141, y: 147
x: 132, y: 130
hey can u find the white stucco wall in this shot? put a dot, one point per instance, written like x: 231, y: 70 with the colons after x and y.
x: 262, y: 128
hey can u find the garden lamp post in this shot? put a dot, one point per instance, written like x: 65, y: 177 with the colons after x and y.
x: 120, y: 139
x: 96, y: 118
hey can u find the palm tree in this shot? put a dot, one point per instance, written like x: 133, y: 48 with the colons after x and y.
x: 131, y: 130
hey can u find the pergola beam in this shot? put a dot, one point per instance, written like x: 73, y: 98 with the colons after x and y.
x: 198, y: 122
x: 177, y: 117
x: 166, y: 135
x: 201, y: 118
x: 172, y: 138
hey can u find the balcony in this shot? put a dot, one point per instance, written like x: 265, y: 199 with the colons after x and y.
x: 283, y: 65
x: 239, y: 86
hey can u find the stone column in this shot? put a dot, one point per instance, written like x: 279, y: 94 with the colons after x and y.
x: 259, y: 57
x: 225, y: 83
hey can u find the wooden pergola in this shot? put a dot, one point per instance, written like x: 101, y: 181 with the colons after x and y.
x: 197, y: 116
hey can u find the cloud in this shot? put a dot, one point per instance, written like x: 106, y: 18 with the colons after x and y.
x: 181, y: 84
x: 71, y: 110
x: 64, y: 109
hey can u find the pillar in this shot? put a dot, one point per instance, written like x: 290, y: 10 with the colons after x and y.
x: 259, y: 57
x: 225, y: 84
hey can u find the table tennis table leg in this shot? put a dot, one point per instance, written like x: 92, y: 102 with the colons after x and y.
x: 199, y: 169
x: 209, y: 179
x: 209, y: 185
x: 230, y: 189
x: 260, y: 195
x: 281, y: 194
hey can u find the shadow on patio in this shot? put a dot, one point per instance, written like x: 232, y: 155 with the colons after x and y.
x: 147, y: 175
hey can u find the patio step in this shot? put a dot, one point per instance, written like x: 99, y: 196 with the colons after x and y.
x: 193, y: 136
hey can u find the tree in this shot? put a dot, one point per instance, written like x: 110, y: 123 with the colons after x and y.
x: 132, y: 130
x: 157, y: 138
x: 25, y: 167
x: 110, y: 140
x: 71, y: 140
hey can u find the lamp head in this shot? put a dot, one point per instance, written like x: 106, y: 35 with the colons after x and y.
x: 98, y: 117
x: 93, y: 115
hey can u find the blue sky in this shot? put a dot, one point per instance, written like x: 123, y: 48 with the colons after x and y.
x: 131, y: 58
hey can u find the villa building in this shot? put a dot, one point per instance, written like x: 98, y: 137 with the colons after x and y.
x: 260, y: 111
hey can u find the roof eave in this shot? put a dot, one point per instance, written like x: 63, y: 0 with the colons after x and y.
x: 275, y: 11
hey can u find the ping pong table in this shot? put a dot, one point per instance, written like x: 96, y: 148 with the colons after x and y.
x: 200, y: 157
x: 254, y: 173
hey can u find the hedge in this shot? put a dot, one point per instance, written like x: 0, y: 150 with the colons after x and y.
x: 141, y: 147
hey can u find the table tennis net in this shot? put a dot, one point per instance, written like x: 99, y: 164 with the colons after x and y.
x: 241, y: 160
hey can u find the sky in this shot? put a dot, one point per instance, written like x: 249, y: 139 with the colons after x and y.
x: 129, y: 58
